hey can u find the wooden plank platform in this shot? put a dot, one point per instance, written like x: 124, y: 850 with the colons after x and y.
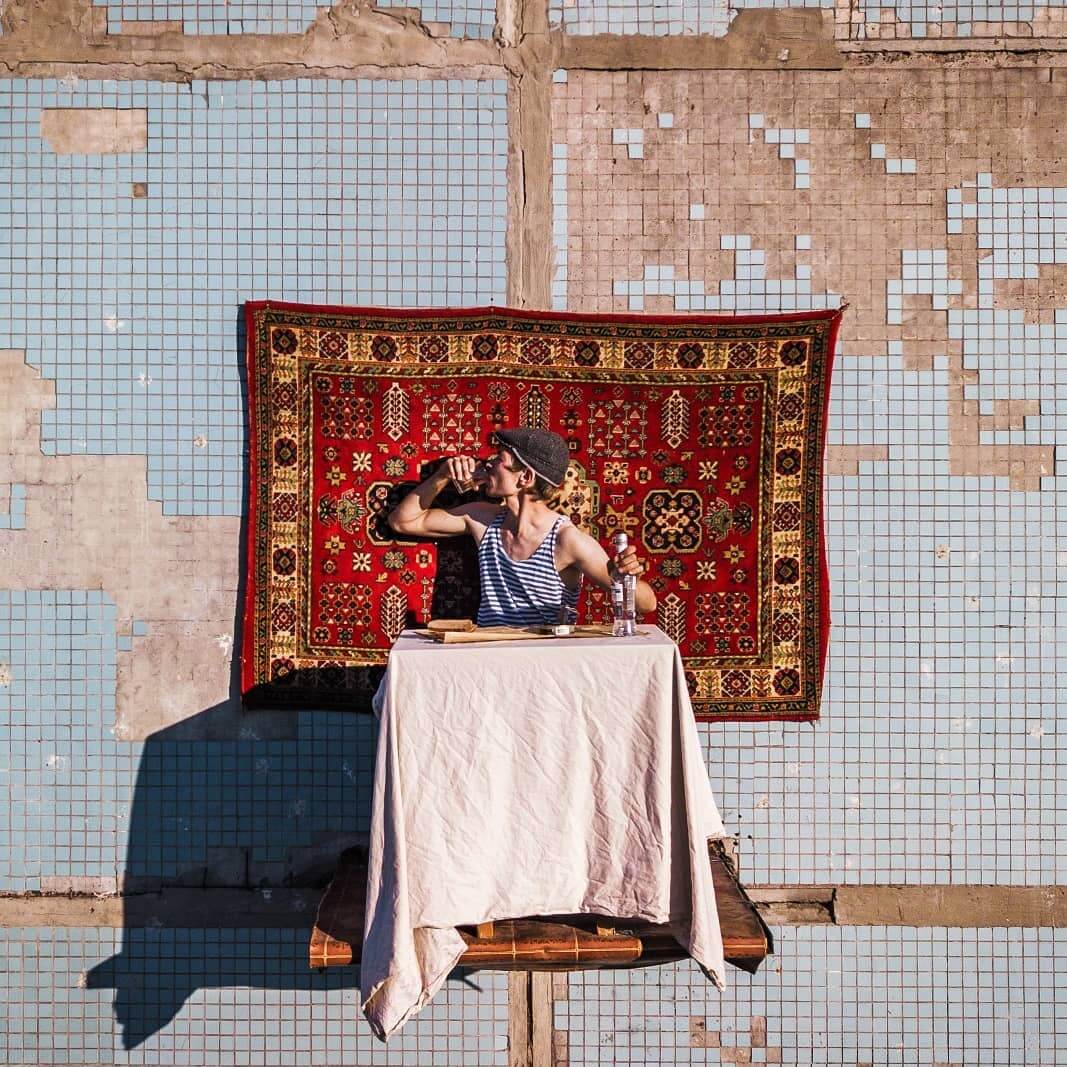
x: 547, y: 943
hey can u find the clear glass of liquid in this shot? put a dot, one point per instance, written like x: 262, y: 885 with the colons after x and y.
x: 479, y: 476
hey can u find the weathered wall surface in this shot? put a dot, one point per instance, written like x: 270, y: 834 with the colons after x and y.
x: 161, y: 163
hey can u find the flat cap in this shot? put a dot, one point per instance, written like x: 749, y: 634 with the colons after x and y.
x: 543, y: 451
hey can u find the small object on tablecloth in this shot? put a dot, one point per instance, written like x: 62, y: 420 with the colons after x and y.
x: 446, y: 625
x: 485, y: 634
x: 553, y: 778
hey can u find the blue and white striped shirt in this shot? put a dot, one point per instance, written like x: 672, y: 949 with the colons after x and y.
x: 523, y: 592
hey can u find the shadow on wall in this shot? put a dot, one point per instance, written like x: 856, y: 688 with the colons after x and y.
x: 261, y: 817
x: 210, y: 816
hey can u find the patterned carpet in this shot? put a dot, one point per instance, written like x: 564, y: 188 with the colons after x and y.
x: 700, y: 436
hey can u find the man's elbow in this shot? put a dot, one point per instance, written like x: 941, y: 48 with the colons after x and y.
x: 396, y: 523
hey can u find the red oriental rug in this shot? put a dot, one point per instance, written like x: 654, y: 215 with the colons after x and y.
x: 700, y: 436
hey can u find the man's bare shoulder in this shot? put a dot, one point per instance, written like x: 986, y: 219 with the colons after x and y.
x: 478, y: 515
x: 574, y: 542
x: 580, y: 551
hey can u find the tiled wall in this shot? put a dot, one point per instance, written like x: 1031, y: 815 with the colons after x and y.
x: 865, y: 20
x: 839, y: 997
x: 458, y: 18
x: 933, y: 199
x: 946, y: 537
x: 82, y: 804
x: 834, y: 996
x: 210, y: 997
x: 207, y: 17
x: 331, y: 192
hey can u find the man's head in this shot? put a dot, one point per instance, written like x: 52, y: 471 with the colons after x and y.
x: 530, y: 459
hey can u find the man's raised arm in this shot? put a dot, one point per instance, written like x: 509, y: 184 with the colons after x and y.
x: 416, y: 516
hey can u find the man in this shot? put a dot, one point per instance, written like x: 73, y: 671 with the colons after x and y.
x: 531, y: 560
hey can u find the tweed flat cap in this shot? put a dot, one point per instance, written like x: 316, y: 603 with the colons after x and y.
x: 543, y: 451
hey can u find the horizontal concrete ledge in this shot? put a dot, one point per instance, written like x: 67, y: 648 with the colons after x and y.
x: 882, y: 905
x: 60, y: 37
x: 960, y: 45
x: 172, y: 908
x: 281, y: 70
x: 595, y: 53
x: 876, y: 905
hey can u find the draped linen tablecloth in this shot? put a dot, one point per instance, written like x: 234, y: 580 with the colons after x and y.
x: 547, y: 777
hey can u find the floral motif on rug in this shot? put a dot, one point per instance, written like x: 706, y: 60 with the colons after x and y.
x: 700, y: 436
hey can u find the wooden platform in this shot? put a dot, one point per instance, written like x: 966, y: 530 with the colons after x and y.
x: 547, y: 943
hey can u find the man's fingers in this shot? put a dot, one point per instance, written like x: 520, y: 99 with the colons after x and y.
x: 628, y: 563
x: 461, y: 467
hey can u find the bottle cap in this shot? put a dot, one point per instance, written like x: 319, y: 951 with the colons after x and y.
x: 620, y: 541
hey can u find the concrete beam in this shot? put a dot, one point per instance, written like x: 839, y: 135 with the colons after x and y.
x: 353, y: 38
x: 961, y: 905
x: 913, y: 905
x: 196, y: 908
x: 875, y: 905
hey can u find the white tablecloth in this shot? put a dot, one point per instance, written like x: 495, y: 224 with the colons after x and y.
x: 531, y: 778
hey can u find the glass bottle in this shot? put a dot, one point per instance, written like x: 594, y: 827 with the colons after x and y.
x: 623, y: 595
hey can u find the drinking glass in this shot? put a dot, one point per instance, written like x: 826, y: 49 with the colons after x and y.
x: 479, y: 476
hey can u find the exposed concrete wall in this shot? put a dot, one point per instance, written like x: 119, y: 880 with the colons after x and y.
x: 89, y: 130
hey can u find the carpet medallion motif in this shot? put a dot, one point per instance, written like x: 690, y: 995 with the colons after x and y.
x: 701, y: 437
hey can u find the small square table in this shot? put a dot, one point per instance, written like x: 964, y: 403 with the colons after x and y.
x: 544, y: 777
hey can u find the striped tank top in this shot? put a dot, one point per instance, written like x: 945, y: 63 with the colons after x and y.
x: 523, y: 592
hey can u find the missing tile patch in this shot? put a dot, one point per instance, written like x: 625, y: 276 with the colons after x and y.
x: 95, y: 130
